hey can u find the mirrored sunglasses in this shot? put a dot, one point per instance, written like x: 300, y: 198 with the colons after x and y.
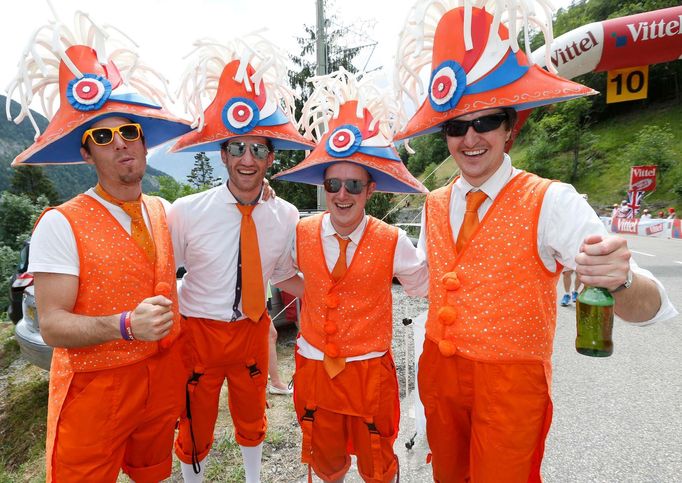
x: 102, y: 136
x: 481, y: 124
x: 258, y: 150
x: 353, y: 186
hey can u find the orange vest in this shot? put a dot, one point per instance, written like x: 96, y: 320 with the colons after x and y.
x: 494, y: 301
x: 115, y: 275
x: 354, y: 316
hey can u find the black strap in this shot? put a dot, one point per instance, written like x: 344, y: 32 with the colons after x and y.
x: 236, y: 314
x: 193, y: 380
x: 253, y: 370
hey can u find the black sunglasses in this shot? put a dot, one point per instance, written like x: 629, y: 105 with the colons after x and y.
x: 481, y: 124
x: 353, y: 186
x: 258, y: 150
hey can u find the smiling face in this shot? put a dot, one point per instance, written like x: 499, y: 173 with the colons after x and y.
x: 345, y: 209
x: 246, y: 172
x: 479, y: 155
x: 121, y: 164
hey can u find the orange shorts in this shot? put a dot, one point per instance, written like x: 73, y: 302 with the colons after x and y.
x: 121, y: 418
x: 485, y: 422
x: 238, y: 352
x: 357, y: 412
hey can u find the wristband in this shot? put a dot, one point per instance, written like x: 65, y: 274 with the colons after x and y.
x: 122, y: 325
x: 128, y: 328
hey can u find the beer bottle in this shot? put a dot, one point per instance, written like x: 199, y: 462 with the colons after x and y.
x: 594, y: 321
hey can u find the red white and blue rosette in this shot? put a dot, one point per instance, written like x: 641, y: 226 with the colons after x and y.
x: 447, y: 85
x: 240, y: 115
x: 88, y: 93
x: 344, y: 141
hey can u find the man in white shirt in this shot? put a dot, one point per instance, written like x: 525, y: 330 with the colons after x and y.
x: 231, y: 241
x: 346, y: 392
x: 103, y: 264
x: 496, y: 239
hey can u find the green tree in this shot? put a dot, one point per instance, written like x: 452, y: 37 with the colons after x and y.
x: 379, y: 206
x: 201, y: 176
x: 430, y: 179
x: 428, y: 149
x: 32, y: 181
x: 18, y: 213
x: 8, y: 263
x: 171, y: 190
x: 302, y: 196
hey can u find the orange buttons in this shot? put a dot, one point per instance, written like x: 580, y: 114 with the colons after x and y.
x: 332, y: 300
x: 331, y: 350
x: 451, y: 281
x: 447, y: 315
x: 447, y: 348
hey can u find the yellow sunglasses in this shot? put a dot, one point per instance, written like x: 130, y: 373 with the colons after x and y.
x: 102, y: 136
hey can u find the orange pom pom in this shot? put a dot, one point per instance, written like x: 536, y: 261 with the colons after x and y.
x: 447, y: 348
x: 332, y: 300
x: 447, y: 315
x: 451, y: 281
x: 331, y: 350
x: 330, y: 328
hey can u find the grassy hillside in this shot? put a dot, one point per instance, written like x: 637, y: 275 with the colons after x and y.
x: 606, y: 179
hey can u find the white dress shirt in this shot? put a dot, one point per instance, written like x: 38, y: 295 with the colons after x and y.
x: 205, y: 231
x: 409, y: 266
x: 53, y: 244
x: 566, y: 219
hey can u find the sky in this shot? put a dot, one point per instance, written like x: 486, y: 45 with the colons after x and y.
x: 166, y: 29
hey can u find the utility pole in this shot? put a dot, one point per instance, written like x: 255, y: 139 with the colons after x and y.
x: 321, y: 70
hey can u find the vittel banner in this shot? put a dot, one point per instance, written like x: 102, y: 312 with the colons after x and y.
x: 643, y: 39
x: 643, y: 178
x: 636, y: 40
x: 624, y: 225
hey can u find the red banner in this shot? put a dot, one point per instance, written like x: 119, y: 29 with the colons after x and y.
x: 643, y: 178
x: 642, y: 39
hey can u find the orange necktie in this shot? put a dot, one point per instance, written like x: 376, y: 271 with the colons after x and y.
x: 474, y: 200
x: 138, y: 229
x: 334, y: 365
x: 253, y: 293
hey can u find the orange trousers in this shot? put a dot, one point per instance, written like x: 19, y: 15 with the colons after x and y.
x: 485, y: 422
x: 121, y: 418
x: 357, y: 412
x: 232, y: 351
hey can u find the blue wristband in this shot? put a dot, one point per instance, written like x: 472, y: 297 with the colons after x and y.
x: 122, y: 326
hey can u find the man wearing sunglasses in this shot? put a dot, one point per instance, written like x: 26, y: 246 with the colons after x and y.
x: 105, y: 275
x: 496, y: 238
x: 231, y: 241
x: 346, y: 392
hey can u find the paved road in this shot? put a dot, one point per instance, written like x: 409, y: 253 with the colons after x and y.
x: 619, y: 419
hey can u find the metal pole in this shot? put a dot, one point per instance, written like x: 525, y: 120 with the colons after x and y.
x: 321, y: 70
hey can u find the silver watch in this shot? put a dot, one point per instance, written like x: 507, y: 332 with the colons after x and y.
x: 628, y: 282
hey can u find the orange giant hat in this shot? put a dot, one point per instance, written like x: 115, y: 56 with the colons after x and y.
x: 90, y: 86
x: 359, y: 127
x: 246, y: 82
x: 475, y: 64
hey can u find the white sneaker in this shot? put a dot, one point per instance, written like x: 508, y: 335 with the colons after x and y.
x: 277, y: 391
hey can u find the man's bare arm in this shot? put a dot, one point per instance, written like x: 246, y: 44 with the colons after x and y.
x: 55, y: 298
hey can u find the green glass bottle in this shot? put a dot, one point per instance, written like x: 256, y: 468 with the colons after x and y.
x: 594, y: 321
